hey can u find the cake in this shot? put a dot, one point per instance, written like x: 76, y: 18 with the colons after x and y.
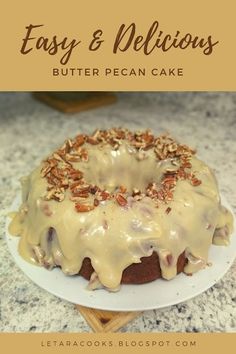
x: 121, y: 207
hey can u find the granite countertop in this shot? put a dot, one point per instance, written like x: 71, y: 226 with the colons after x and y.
x: 29, y: 130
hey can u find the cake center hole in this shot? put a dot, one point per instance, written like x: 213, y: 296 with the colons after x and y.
x: 118, y: 168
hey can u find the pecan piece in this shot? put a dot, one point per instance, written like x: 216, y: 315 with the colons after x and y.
x: 93, y: 189
x: 121, y: 200
x: 45, y: 170
x: 92, y: 140
x: 79, y: 140
x: 75, y: 175
x: 81, y: 208
x: 104, y: 195
x: 172, y: 147
x: 136, y: 191
x: 96, y: 202
x: 80, y: 194
x: 187, y: 164
x: 123, y: 189
x: 195, y: 182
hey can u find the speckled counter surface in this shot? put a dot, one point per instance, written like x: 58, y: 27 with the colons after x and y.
x: 29, y: 131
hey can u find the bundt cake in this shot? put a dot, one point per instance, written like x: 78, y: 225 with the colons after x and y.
x: 121, y: 207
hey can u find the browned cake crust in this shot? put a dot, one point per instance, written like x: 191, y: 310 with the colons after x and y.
x: 137, y: 273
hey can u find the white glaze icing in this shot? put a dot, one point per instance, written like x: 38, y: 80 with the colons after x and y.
x: 113, y: 237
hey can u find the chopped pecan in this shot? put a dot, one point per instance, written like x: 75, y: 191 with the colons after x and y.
x: 96, y: 202
x: 79, y: 140
x: 61, y: 174
x: 45, y: 170
x: 121, y: 199
x: 81, y: 208
x: 172, y: 147
x: 123, y: 189
x: 195, y: 181
x: 104, y: 195
x: 73, y: 158
x: 93, y: 189
x: 80, y: 194
x: 136, y: 191
x: 92, y: 140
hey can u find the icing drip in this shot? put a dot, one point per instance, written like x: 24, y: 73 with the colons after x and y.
x: 114, y: 235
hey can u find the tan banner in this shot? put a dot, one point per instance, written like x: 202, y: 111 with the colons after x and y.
x: 124, y: 45
x: 149, y: 343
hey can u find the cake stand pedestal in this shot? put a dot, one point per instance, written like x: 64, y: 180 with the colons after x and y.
x: 106, y: 321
